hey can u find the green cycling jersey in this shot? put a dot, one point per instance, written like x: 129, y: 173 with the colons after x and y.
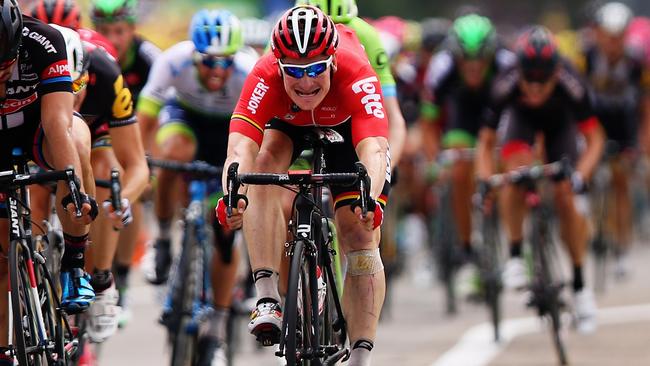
x: 369, y: 38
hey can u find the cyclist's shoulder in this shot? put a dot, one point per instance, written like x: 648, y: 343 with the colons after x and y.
x: 103, y: 65
x: 146, y: 50
x: 366, y: 33
x: 350, y: 54
x: 40, y: 38
x: 505, y: 85
x: 441, y: 68
x: 245, y: 60
x: 570, y: 82
x: 504, y: 59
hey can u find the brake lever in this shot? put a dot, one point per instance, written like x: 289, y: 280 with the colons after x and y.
x: 233, y: 186
x: 116, y: 191
x: 73, y: 186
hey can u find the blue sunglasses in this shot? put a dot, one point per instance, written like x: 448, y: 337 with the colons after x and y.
x: 312, y: 70
x: 213, y: 61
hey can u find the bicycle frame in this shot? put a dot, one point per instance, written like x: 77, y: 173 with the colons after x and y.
x: 20, y: 233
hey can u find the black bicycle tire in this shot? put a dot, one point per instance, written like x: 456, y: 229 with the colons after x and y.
x: 492, y: 273
x: 51, y: 316
x: 540, y: 250
x: 182, y: 342
x: 444, y: 250
x: 290, y: 317
x: 21, y: 347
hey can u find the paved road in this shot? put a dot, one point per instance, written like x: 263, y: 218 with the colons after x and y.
x: 415, y: 331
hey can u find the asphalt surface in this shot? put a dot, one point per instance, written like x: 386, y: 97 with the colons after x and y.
x: 415, y: 331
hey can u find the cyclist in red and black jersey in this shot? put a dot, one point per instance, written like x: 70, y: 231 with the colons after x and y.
x: 543, y: 95
x: 36, y: 115
x: 317, y: 75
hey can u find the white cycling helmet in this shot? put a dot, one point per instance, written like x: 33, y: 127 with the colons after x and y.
x: 75, y: 51
x: 614, y: 17
x: 256, y: 32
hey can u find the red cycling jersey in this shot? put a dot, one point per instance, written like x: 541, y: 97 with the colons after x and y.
x: 354, y: 96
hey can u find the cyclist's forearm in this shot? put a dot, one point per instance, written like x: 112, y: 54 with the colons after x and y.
x: 242, y: 150
x: 128, y: 149
x: 591, y: 156
x: 397, y: 129
x: 372, y: 152
x: 148, y: 127
x: 485, y: 153
x: 57, y: 126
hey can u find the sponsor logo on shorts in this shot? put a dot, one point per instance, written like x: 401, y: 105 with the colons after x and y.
x: 372, y: 100
x: 256, y: 97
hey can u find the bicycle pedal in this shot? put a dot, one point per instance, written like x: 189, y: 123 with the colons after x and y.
x: 267, y: 334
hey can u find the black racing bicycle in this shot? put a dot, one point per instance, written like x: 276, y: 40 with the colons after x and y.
x: 490, y: 264
x: 546, y: 284
x: 444, y: 239
x: 39, y: 333
x: 189, y: 299
x: 313, y: 327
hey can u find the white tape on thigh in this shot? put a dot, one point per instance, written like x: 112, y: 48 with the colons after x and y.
x: 364, y: 262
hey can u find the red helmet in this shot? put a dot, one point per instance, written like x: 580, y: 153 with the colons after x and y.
x: 304, y: 32
x: 97, y: 40
x: 65, y: 13
x: 537, y: 53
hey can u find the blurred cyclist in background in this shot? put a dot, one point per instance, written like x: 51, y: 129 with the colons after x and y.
x: 618, y: 92
x: 256, y: 33
x: 207, y: 75
x: 116, y: 20
x: 543, y: 96
x: 457, y: 89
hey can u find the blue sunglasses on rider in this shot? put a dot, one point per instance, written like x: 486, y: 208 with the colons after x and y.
x: 312, y: 70
x: 213, y: 62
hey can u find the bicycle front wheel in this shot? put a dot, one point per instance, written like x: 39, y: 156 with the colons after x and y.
x: 184, y: 333
x: 26, y: 333
x: 296, y: 323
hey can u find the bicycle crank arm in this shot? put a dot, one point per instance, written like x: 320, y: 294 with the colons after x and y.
x: 333, y: 359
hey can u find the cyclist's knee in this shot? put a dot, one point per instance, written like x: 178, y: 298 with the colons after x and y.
x: 364, y: 262
x: 178, y: 147
x: 270, y: 161
x: 564, y: 197
x: 352, y: 235
x: 81, y: 136
x: 103, y: 161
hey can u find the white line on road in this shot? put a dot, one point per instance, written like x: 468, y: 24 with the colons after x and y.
x: 477, y: 348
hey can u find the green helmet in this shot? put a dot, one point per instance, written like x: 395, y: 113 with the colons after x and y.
x: 110, y: 11
x: 472, y: 36
x: 341, y: 11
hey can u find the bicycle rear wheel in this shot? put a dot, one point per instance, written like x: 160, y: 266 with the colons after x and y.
x: 26, y: 338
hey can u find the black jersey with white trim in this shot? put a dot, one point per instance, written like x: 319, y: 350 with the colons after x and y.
x: 41, y: 68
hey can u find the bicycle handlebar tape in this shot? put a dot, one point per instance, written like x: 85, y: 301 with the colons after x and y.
x: 365, y: 262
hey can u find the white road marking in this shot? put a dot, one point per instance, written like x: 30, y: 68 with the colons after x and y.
x: 477, y: 348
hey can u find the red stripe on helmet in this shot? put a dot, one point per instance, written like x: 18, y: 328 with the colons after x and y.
x: 57, y: 14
